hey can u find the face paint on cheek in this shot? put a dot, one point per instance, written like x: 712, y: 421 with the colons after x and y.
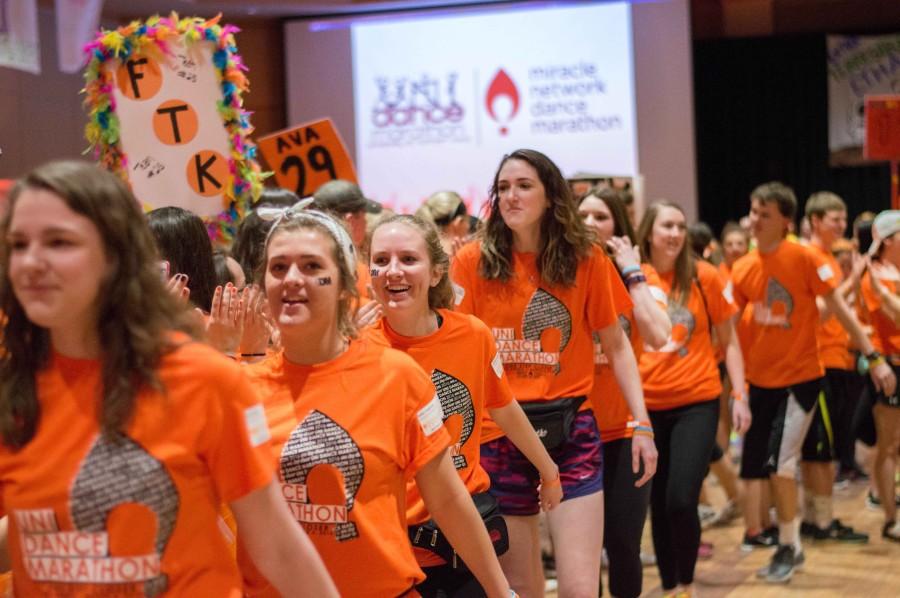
x: 324, y: 281
x: 375, y: 272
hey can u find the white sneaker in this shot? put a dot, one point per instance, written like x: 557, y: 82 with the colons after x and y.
x: 729, y: 513
x: 706, y: 514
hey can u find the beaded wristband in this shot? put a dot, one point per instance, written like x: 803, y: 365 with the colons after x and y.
x: 636, y: 424
x: 630, y: 270
x: 643, y: 431
x: 635, y: 279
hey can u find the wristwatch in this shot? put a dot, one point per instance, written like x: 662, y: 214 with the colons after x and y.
x: 873, y: 356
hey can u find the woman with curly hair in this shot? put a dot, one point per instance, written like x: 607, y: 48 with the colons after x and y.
x: 539, y: 282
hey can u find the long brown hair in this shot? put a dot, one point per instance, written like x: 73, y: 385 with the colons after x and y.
x: 613, y: 200
x: 136, y: 314
x: 440, y: 295
x: 685, y: 269
x: 564, y: 242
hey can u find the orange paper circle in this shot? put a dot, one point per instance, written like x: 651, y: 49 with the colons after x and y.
x: 175, y: 122
x: 207, y: 173
x: 139, y: 78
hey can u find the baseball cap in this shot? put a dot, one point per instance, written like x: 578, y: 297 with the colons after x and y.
x: 373, y: 207
x: 343, y: 197
x: 885, y: 224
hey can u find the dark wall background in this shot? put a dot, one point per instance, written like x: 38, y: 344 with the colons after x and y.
x: 761, y: 107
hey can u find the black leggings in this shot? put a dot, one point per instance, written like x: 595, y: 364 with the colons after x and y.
x: 684, y: 439
x: 846, y: 388
x: 625, y: 508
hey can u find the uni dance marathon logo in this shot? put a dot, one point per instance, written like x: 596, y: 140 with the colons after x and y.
x: 683, y: 325
x: 118, y: 481
x: 546, y: 325
x: 319, y: 440
x: 455, y: 399
x: 776, y: 309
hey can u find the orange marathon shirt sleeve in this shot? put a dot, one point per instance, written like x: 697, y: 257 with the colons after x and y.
x: 820, y: 274
x: 237, y: 437
x: 463, y: 276
x: 606, y: 293
x: 718, y: 296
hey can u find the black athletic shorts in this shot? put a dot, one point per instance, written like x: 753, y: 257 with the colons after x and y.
x: 781, y: 418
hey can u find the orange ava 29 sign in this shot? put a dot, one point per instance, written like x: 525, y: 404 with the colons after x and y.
x: 307, y: 156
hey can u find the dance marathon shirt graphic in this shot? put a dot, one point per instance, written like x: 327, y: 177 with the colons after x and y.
x: 117, y: 481
x: 546, y: 330
x: 683, y: 325
x: 455, y: 399
x: 319, y: 440
x: 776, y: 307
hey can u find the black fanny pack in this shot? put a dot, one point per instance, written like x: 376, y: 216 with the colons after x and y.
x: 430, y: 537
x: 552, y: 420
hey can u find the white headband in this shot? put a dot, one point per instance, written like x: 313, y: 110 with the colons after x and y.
x: 297, y: 212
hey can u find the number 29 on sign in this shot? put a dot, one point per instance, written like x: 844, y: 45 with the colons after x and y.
x: 305, y: 157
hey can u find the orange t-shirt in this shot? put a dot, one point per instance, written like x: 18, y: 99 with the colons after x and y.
x: 833, y: 340
x: 780, y: 289
x: 347, y: 435
x: 461, y: 356
x: 857, y: 301
x: 724, y: 271
x: 543, y: 333
x: 684, y: 370
x: 886, y: 337
x: 607, y: 400
x: 90, y: 516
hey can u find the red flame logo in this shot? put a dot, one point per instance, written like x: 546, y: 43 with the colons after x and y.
x: 502, y: 86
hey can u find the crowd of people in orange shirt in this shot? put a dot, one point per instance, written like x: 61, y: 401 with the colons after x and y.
x: 371, y: 404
